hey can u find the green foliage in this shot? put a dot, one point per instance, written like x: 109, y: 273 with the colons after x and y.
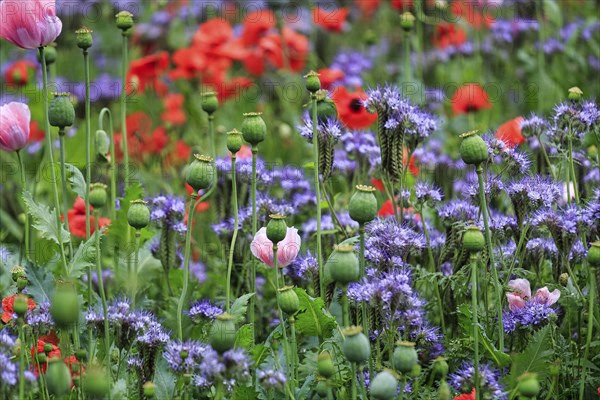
x: 76, y: 180
x: 239, y: 306
x: 313, y: 319
x: 84, y: 257
x: 45, y: 221
x: 535, y: 358
x: 40, y: 284
x: 164, y: 380
x: 119, y: 227
x: 244, y: 336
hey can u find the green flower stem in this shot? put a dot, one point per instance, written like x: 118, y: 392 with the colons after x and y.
x: 315, y: 137
x: 572, y: 169
x: 334, y: 216
x: 186, y: 265
x: 474, y: 309
x: 294, y: 350
x: 361, y: 382
x: 365, y: 320
x: 407, y: 64
x: 345, y: 312
x: 104, y: 305
x: 588, y: 339
x: 51, y: 159
x: 88, y: 143
x: 136, y: 261
x: 488, y: 239
x: 286, y: 349
x: 254, y: 229
x: 63, y: 180
x: 546, y: 158
x: 21, y: 360
x: 235, y: 231
x: 23, y: 188
x: 353, y: 379
x: 402, y: 386
x: 113, y: 166
x: 389, y: 190
x: 124, y: 64
x: 539, y: 7
x: 211, y: 135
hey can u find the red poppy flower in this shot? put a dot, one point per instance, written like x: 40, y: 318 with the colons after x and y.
x: 387, y: 209
x: 367, y: 7
x: 466, y: 396
x: 256, y: 24
x: 470, y: 97
x: 510, y: 132
x: 329, y: 76
x: 447, y: 34
x: 476, y: 14
x: 54, y: 352
x: 174, y: 113
x: 377, y: 184
x: 179, y: 155
x: 18, y: 72
x: 351, y: 110
x: 77, y: 219
x: 402, y: 5
x: 330, y: 19
x: 36, y: 134
x: 8, y: 304
x: 145, y: 73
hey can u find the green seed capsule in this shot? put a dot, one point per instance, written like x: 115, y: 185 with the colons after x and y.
x: 138, y: 215
x: 200, y: 173
x: 356, y: 346
x: 473, y: 150
x: 102, y: 144
x: 405, y: 357
x: 325, y: 365
x: 326, y: 108
x: 384, y: 386
x: 16, y: 272
x: 593, y: 256
x: 234, y: 141
x: 222, y: 333
x: 473, y: 239
x: 95, y: 382
x: 444, y: 390
x: 149, y: 389
x: 22, y: 283
x: 21, y: 304
x: 210, y: 102
x: 61, y: 112
x: 363, y: 204
x: 48, y: 347
x: 322, y: 388
x: 58, y: 378
x: 84, y: 38
x: 81, y: 355
x: 98, y: 196
x: 50, y: 54
x: 124, y: 20
x: 276, y: 228
x: 440, y: 368
x: 575, y: 94
x: 254, y: 128
x: 313, y: 83
x: 343, y: 265
x: 65, y: 306
x: 407, y: 21
x: 288, y: 300
x: 528, y: 385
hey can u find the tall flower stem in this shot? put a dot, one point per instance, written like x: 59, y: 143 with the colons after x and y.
x: 345, y: 312
x: 103, y: 298
x: 254, y: 229
x: 364, y: 319
x: 136, y: 261
x: 63, y: 180
x: 588, y: 339
x: 123, y: 100
x: 546, y: 158
x: 572, y: 170
x: 51, y: 159
x: 88, y: 142
x: 290, y: 377
x: 353, y: 379
x: 402, y: 386
x: 474, y: 309
x: 186, y: 265
x: 407, y: 64
x: 294, y: 350
x: 488, y: 239
x: 23, y: 187
x: 235, y: 231
x: 21, y: 360
x: 211, y: 135
x: 315, y: 137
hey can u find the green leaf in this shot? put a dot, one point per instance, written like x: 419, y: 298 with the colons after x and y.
x: 44, y: 220
x: 243, y: 393
x: 76, y: 180
x: 535, y: 358
x: 164, y: 381
x: 312, y: 318
x: 40, y: 283
x: 84, y: 257
x: 239, y: 306
x: 244, y: 337
x: 259, y: 354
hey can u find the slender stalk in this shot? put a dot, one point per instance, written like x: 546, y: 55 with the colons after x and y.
x: 63, y: 180
x: 123, y: 100
x: 186, y: 266
x: 402, y: 386
x: 88, y: 143
x: 488, y: 239
x: 541, y: 61
x: 21, y: 360
x: 51, y: 158
x: 136, y: 261
x: 294, y: 350
x: 572, y: 169
x: 546, y: 158
x: 211, y: 135
x: 281, y: 320
x: 353, y: 379
x: 315, y: 136
x: 334, y: 216
x: 345, y: 312
x: 254, y: 229
x: 365, y: 320
x: 23, y: 187
x: 474, y: 309
x: 588, y: 339
x: 407, y: 64
x: 113, y: 167
x: 235, y: 231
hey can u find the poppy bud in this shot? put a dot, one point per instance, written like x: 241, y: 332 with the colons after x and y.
x: 370, y: 37
x: 528, y: 385
x: 326, y: 108
x: 65, y: 306
x: 276, y: 228
x: 288, y: 300
x: 149, y: 389
x: 95, y: 382
x: 444, y: 390
x: 593, y: 256
x: 234, y: 141
x: 313, y: 83
x: 41, y: 358
x: 473, y: 150
x: 343, y: 265
x: 50, y: 54
x: 58, y: 378
x: 575, y: 94
x: 84, y: 38
x: 210, y: 103
x: 407, y: 21
x: 184, y: 354
x: 61, y: 112
x: 322, y: 388
x: 20, y: 305
x: 222, y: 333
x: 102, y: 143
x: 325, y: 365
x: 363, y: 204
x: 187, y: 378
x: 138, y: 215
x: 98, y: 195
x: 473, y: 240
x: 415, y: 371
x: 356, y: 346
x: 81, y: 355
x: 440, y: 368
x: 405, y: 357
x: 16, y: 272
x: 563, y: 279
x: 200, y: 173
x: 22, y: 283
x: 47, y: 347
x: 254, y: 128
x: 384, y: 386
x: 124, y: 20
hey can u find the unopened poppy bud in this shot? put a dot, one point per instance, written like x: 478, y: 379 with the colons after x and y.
x: 234, y: 141
x: 222, y: 333
x: 444, y: 390
x: 254, y: 128
x: 64, y: 307
x: 138, y: 215
x: 288, y: 300
x: 370, y: 37
x: 22, y: 283
x: 325, y: 365
x: 563, y: 279
x: 187, y: 378
x: 575, y: 94
x: 593, y: 256
x: 363, y: 204
x: 61, y: 112
x: 47, y: 348
x: 84, y: 38
x: 384, y: 386
x: 98, y: 196
x: 210, y: 102
x: 149, y: 389
x: 407, y: 21
x: 50, y: 54
x: 16, y: 272
x: 322, y: 388
x: 200, y: 172
x: 326, y: 108
x: 276, y: 228
x: 184, y: 354
x: 124, y: 20
x: 58, y: 378
x: 20, y: 305
x: 473, y: 149
x: 440, y: 368
x: 313, y: 83
x: 41, y: 358
x: 356, y: 346
x: 473, y: 240
x: 405, y: 357
x: 81, y: 355
x: 96, y: 384
x: 102, y: 143
x: 343, y: 265
x: 528, y: 386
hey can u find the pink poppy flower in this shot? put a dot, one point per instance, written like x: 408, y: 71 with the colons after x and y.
x: 29, y: 24
x: 287, y: 249
x: 14, y: 126
x: 521, y: 294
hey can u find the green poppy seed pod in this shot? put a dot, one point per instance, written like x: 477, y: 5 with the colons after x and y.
x: 200, y: 173
x: 325, y: 365
x: 288, y: 300
x: 22, y: 282
x: 370, y: 37
x: 187, y: 378
x: 234, y: 141
x: 16, y: 272
x: 61, y: 112
x: 20, y: 304
x: 343, y: 265
x: 363, y: 204
x: 102, y: 143
x: 184, y: 354
x: 81, y: 355
x: 356, y: 346
x: 473, y: 150
x: 50, y: 54
x: 313, y: 83
x: 84, y: 38
x: 384, y: 386
x: 254, y: 128
x: 41, y: 358
x: 326, y: 108
x: 575, y: 94
x: 563, y: 279
x: 65, y: 306
x: 440, y: 368
x: 138, y: 215
x: 210, y: 102
x: 95, y: 382
x: 98, y: 196
x: 47, y: 348
x: 124, y: 20
x: 322, y: 389
x: 405, y: 357
x: 593, y: 256
x: 473, y: 239
x: 58, y: 378
x: 407, y: 21
x: 276, y: 228
x: 528, y: 385
x: 149, y: 389
x: 222, y: 333
x: 444, y: 390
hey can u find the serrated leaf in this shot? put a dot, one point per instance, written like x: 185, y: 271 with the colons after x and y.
x: 84, y: 257
x: 40, y: 283
x: 76, y: 180
x: 44, y: 220
x: 239, y: 306
x: 535, y: 358
x: 259, y: 354
x: 164, y: 381
x: 244, y: 337
x: 244, y: 393
x: 312, y: 318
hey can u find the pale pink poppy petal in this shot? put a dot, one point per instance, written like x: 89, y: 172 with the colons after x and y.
x: 520, y: 287
x: 515, y: 301
x: 288, y: 248
x: 262, y: 248
x: 29, y: 24
x: 544, y: 296
x: 14, y: 126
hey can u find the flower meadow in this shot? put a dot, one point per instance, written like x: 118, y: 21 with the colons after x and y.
x: 244, y: 200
